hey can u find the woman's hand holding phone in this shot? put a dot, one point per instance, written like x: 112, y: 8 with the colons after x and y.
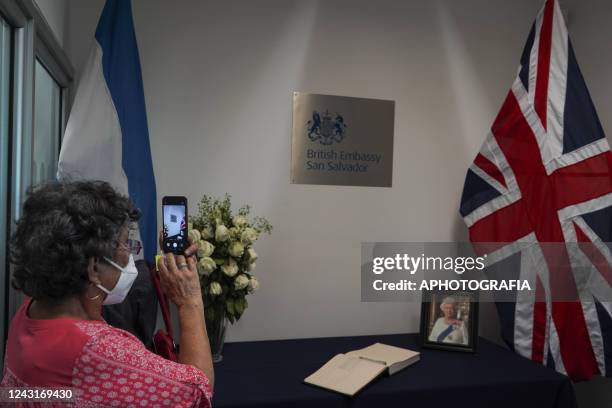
x: 180, y: 282
x: 178, y: 275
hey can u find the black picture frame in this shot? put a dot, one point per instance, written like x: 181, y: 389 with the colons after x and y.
x: 431, y: 312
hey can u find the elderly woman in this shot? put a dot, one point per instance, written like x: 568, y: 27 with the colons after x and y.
x: 448, y: 329
x: 70, y: 257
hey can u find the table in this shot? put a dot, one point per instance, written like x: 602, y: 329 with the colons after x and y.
x: 271, y: 373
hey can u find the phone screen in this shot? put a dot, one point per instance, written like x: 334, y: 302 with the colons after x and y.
x: 175, y: 227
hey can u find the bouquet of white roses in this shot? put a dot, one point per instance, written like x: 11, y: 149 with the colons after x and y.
x: 226, y: 257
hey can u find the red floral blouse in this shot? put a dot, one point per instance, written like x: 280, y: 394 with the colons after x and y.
x: 102, y: 365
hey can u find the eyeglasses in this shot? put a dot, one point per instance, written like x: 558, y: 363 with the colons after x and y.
x: 133, y: 246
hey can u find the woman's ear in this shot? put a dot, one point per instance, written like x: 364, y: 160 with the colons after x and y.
x: 93, y: 270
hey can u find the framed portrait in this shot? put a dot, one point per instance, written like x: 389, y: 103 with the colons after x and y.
x: 449, y: 320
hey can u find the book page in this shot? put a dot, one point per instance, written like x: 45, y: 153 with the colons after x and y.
x: 346, y: 374
x: 385, y: 353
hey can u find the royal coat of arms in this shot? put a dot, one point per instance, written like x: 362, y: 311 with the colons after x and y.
x: 327, y: 129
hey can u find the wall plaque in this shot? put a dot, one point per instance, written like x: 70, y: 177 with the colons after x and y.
x: 342, y: 140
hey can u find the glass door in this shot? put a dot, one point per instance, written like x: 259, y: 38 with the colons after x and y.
x: 47, y: 125
x: 6, y: 42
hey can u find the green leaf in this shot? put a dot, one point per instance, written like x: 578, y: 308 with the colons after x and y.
x: 229, y: 304
x: 239, y: 306
x: 219, y: 261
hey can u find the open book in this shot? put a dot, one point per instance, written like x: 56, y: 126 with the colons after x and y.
x: 348, y: 373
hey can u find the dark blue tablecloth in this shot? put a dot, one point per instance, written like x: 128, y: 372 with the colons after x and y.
x: 271, y: 374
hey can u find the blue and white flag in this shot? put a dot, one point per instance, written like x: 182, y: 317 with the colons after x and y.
x: 106, y: 136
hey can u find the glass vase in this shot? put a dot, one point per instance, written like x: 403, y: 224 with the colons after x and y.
x: 216, y: 334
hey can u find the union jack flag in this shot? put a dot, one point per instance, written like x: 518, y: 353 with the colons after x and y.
x: 544, y: 176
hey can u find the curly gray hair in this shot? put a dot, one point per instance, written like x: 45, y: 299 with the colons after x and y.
x: 61, y: 227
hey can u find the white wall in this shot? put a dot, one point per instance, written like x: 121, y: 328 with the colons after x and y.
x: 55, y: 12
x: 218, y: 82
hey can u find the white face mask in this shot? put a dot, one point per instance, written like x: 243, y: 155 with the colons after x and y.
x: 124, y: 284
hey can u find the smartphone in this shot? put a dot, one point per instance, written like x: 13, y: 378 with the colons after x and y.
x: 174, y: 212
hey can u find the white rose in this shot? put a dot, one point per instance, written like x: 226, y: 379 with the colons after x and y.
x: 253, y: 284
x: 230, y: 268
x: 207, y: 232
x: 251, y: 266
x: 239, y: 220
x: 205, y: 249
x: 241, y: 282
x: 195, y: 235
x: 215, y: 288
x: 236, y: 249
x: 233, y: 231
x: 222, y: 233
x: 206, y: 266
x: 251, y: 255
x: 249, y: 235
